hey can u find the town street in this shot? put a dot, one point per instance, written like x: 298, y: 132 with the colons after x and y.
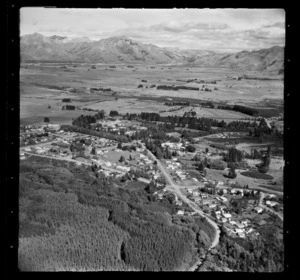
x: 175, y: 188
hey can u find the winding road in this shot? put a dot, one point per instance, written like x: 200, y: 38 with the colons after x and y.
x: 173, y: 187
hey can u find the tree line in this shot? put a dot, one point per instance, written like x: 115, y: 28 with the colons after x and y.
x: 202, y: 123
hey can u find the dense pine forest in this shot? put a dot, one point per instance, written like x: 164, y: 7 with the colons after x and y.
x: 72, y: 221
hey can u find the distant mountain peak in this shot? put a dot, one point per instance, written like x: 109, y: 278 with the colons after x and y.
x: 55, y: 37
x: 124, y: 49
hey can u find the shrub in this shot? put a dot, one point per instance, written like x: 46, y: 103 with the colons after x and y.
x: 190, y: 149
x: 219, y: 146
x: 263, y: 169
x: 217, y: 164
x: 257, y: 175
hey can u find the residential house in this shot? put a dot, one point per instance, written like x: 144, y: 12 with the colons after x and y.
x: 271, y: 203
x: 223, y: 198
x: 180, y: 212
x: 240, y: 225
x: 262, y: 222
x: 241, y: 234
x: 258, y: 209
x: 227, y: 215
x: 270, y: 195
x: 195, y: 193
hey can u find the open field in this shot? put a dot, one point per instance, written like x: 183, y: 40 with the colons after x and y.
x: 114, y: 156
x: 209, y: 113
x: 276, y: 165
x: 129, y: 105
x: 37, y: 82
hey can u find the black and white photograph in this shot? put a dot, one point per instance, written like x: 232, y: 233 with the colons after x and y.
x: 151, y: 139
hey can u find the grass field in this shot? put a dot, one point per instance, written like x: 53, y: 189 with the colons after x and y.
x: 114, y: 156
x: 209, y: 113
x: 124, y: 81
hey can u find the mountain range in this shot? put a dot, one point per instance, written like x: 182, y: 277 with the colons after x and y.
x: 36, y: 47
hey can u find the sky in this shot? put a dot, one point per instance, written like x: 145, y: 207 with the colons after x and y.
x: 220, y: 30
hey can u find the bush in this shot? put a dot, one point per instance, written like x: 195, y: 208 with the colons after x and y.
x: 263, y: 169
x: 219, y: 146
x: 190, y: 149
x: 217, y: 164
x: 257, y: 175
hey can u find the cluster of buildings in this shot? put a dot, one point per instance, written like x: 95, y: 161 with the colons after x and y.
x: 116, y: 125
x: 217, y: 205
x: 269, y: 200
x: 176, y: 166
x: 32, y: 135
x: 226, y: 135
x: 178, y: 147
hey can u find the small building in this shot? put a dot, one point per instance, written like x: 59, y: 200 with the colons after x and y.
x: 250, y: 230
x: 212, y: 205
x: 271, y: 203
x: 223, y: 198
x: 270, y: 195
x: 227, y: 215
x: 241, y: 234
x: 262, y: 222
x: 180, y: 212
x: 258, y: 209
x: 239, y: 225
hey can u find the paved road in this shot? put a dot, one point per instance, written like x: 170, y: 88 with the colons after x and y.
x: 173, y: 187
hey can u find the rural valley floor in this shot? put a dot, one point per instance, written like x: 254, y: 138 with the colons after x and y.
x: 119, y: 174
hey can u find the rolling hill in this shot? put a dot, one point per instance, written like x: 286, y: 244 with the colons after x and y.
x: 35, y: 47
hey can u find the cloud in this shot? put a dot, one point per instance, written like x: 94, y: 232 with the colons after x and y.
x: 210, y: 29
x: 276, y: 25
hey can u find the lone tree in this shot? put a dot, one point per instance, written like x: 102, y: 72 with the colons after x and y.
x: 150, y: 188
x: 100, y: 115
x: 93, y: 151
x: 269, y: 151
x: 113, y: 113
x: 234, y: 155
x: 264, y: 167
x: 119, y: 146
x: 46, y: 119
x: 232, y: 173
x: 122, y: 159
x: 201, y: 167
x: 190, y: 148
